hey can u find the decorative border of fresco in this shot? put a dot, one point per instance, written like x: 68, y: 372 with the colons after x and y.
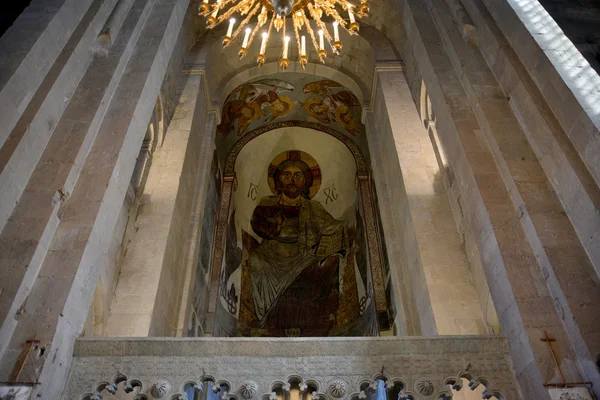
x: 361, y: 164
x: 373, y: 244
x: 220, y: 237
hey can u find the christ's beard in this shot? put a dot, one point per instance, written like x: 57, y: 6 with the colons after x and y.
x: 292, y: 191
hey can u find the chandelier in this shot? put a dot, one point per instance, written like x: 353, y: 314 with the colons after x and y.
x: 273, y: 14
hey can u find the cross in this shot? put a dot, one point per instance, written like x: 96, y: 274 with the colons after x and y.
x: 549, y: 341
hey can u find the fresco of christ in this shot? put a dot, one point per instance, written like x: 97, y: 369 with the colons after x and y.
x: 295, y: 269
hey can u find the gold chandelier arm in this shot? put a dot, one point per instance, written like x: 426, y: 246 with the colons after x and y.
x: 246, y: 20
x: 311, y: 33
x: 271, y: 26
x: 283, y: 34
x: 321, y: 25
x: 349, y: 28
x: 233, y: 10
x: 262, y: 17
x: 297, y: 34
x: 216, y: 7
x: 329, y: 9
x: 342, y: 22
x: 269, y: 33
x: 254, y: 32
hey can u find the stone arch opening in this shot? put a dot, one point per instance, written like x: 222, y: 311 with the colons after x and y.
x: 317, y: 121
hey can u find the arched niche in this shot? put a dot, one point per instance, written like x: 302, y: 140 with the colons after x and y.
x: 316, y: 283
x: 305, y: 113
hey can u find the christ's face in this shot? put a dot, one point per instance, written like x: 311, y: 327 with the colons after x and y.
x: 292, y: 182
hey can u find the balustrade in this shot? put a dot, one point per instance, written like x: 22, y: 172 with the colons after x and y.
x: 292, y: 369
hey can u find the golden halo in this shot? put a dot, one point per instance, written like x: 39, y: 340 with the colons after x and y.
x: 284, y: 101
x: 296, y: 155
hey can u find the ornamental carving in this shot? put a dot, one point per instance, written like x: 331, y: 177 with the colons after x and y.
x: 337, y: 388
x: 160, y: 389
x: 425, y: 386
x: 249, y: 389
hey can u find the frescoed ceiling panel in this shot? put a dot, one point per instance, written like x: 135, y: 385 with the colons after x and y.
x: 276, y: 101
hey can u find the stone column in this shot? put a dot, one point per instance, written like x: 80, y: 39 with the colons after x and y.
x: 196, y: 219
x: 146, y: 301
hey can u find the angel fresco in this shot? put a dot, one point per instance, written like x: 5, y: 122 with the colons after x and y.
x: 251, y: 102
x: 330, y: 104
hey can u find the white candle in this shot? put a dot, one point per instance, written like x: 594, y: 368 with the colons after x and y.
x: 263, y: 45
x: 321, y: 41
x: 286, y: 43
x: 205, y: 1
x: 336, y: 33
x: 216, y: 12
x: 230, y: 29
x: 351, y: 14
x: 246, y: 37
x: 303, y: 46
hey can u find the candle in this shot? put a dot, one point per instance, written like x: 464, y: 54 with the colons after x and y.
x: 230, y: 29
x: 351, y: 14
x: 321, y: 41
x: 286, y: 42
x: 336, y: 33
x: 246, y: 37
x: 205, y: 1
x: 263, y: 45
x: 216, y: 12
x: 303, y: 53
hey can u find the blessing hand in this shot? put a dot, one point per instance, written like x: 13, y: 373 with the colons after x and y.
x: 280, y: 220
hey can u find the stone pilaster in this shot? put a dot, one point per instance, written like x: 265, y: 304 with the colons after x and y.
x: 433, y: 255
x: 147, y: 297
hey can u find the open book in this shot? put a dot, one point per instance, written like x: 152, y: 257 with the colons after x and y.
x: 331, y: 242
